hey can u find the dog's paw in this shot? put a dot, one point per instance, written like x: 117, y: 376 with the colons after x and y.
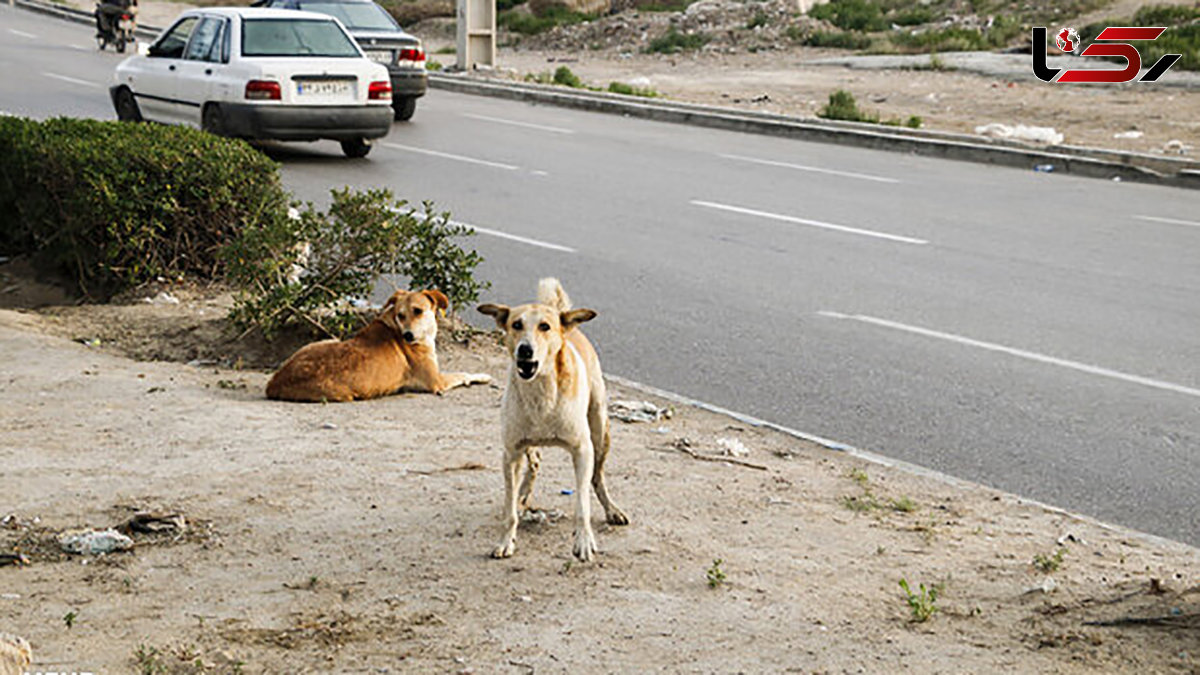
x: 585, y: 545
x: 617, y: 517
x: 505, y: 549
x: 479, y: 378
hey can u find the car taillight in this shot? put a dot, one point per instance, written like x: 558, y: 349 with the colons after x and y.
x: 126, y: 17
x: 379, y: 90
x: 412, y: 54
x: 263, y: 90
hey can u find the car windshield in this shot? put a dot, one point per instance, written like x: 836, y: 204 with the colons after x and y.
x: 295, y: 37
x: 355, y: 15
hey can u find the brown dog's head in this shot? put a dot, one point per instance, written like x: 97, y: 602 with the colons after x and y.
x: 413, y: 315
x: 534, y: 333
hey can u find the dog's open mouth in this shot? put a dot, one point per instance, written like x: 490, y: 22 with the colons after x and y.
x: 527, y: 369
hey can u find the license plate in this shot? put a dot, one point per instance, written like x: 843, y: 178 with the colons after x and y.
x: 380, y: 56
x: 323, y: 88
x: 125, y: 24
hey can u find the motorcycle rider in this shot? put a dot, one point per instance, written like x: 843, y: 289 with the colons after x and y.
x: 108, y: 13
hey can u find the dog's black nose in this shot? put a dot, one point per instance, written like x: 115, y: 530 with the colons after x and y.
x: 408, y: 336
x: 524, y: 352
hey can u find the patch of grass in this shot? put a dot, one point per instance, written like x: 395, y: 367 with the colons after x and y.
x: 148, y: 660
x: 861, y: 504
x: 448, y: 49
x: 913, y: 16
x: 903, y: 505
x: 1050, y: 563
x: 922, y: 604
x: 544, y: 77
x: 532, y: 24
x: 433, y: 66
x: 630, y: 90
x: 664, y: 5
x: 759, y: 19
x: 842, y: 106
x: 852, y: 15
x: 837, y: 40
x: 858, y: 476
x: 715, y: 575
x: 673, y: 42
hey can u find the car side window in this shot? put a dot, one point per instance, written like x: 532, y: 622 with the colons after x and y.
x: 226, y: 41
x: 172, y: 43
x: 205, y: 44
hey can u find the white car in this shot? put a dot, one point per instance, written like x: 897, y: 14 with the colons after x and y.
x: 258, y: 74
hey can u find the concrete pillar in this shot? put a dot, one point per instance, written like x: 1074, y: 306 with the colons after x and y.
x: 476, y: 39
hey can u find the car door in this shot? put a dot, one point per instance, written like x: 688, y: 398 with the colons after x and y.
x: 201, y: 69
x: 157, y: 85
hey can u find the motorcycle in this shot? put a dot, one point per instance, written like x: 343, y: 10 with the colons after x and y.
x: 115, y: 25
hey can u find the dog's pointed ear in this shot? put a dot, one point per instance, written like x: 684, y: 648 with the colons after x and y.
x: 498, y: 312
x: 571, y: 318
x: 438, y: 298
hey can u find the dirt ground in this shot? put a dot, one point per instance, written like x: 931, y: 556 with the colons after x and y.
x: 353, y: 538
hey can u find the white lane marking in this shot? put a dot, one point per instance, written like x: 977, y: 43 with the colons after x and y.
x: 81, y: 49
x: 1013, y: 351
x: 457, y: 158
x: 72, y: 80
x: 810, y: 223
x: 504, y: 235
x: 540, y: 173
x: 22, y: 33
x: 814, y: 169
x: 1169, y: 221
x: 527, y: 125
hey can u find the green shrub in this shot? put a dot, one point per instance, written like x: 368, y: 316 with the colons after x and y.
x: 112, y: 205
x: 673, y: 42
x: 1165, y: 15
x: 842, y: 106
x: 531, y: 24
x: 630, y: 90
x: 1182, y: 35
x: 856, y: 15
x: 839, y: 40
x: 913, y: 16
x: 566, y: 77
x: 304, y: 269
x: 759, y: 19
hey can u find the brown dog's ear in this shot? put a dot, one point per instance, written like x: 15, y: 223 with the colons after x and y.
x: 438, y: 298
x: 498, y: 312
x: 574, y: 317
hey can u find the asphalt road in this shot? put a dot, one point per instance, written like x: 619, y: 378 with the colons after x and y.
x: 1035, y: 332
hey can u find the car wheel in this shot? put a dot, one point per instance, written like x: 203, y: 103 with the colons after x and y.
x: 356, y: 147
x: 404, y: 108
x: 101, y: 42
x: 127, y: 107
x: 212, y: 121
x: 120, y: 45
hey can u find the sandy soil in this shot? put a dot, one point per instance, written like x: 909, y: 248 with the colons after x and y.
x: 353, y: 537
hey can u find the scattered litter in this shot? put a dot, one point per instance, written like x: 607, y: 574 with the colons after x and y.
x: 566, y: 491
x: 1047, y: 586
x: 640, y: 81
x: 14, y: 559
x: 638, y: 411
x: 1044, y: 168
x: 329, y: 425
x: 89, y: 342
x: 94, y: 542
x: 684, y: 445
x: 163, y: 298
x: 201, y: 363
x: 733, y: 447
x: 1116, y: 179
x: 1020, y: 132
x: 10, y: 596
x: 542, y: 516
x: 155, y: 522
x: 524, y: 598
x: 1128, y: 134
x: 1176, y: 146
x: 661, y: 430
x: 772, y: 501
x: 1070, y: 537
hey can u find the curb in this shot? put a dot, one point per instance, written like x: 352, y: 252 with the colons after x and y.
x: 899, y: 465
x: 1087, y: 162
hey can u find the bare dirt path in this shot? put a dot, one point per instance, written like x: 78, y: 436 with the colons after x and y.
x: 353, y: 537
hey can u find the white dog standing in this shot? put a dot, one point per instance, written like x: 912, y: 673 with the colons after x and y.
x: 555, y: 396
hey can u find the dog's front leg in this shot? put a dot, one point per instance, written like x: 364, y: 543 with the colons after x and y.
x: 447, y: 381
x: 585, y: 540
x: 513, y: 458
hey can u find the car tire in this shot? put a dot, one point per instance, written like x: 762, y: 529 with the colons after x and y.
x: 404, y: 107
x: 212, y: 121
x: 120, y: 45
x: 127, y: 107
x: 356, y: 147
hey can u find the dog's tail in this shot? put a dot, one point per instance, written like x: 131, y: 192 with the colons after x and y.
x: 551, y: 293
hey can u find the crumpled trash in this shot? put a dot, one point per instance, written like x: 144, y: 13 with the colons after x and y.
x: 1176, y: 147
x: 94, y: 542
x: 639, y: 81
x: 638, y: 411
x: 15, y: 559
x: 732, y: 447
x: 1047, y: 586
x: 1128, y: 134
x: 1070, y: 537
x: 542, y: 516
x: 155, y: 522
x: 163, y: 298
x: 1020, y: 132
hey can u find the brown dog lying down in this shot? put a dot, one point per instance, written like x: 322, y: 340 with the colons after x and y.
x: 395, y: 351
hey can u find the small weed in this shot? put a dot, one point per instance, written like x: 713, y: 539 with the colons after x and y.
x: 858, y: 476
x: 759, y: 19
x: 543, y: 77
x: 921, y: 605
x: 69, y: 619
x: 715, y: 575
x: 148, y: 660
x: 567, y: 78
x: 230, y: 384
x: 903, y: 505
x: 1050, y: 563
x: 842, y: 106
x: 433, y: 66
x: 673, y: 42
x: 862, y: 504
